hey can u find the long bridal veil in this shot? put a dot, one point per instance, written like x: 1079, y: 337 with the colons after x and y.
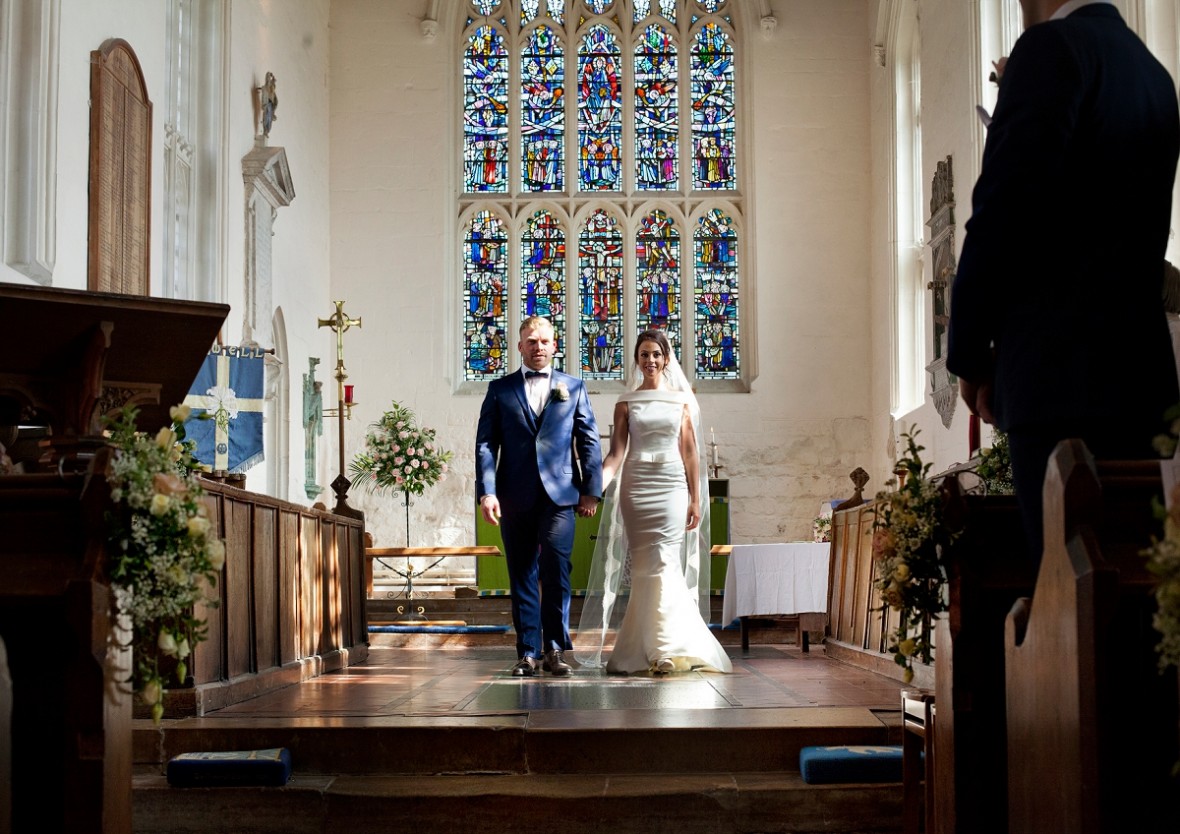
x: 607, y: 588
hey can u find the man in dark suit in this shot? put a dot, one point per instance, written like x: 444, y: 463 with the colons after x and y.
x: 1057, y: 326
x: 538, y: 460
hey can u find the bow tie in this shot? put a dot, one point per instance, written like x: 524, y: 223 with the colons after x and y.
x: 531, y: 374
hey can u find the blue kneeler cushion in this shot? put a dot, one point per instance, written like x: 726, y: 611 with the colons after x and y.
x: 437, y: 629
x: 234, y: 767
x: 851, y: 763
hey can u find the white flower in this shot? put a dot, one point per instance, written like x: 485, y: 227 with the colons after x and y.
x: 198, y: 526
x: 560, y: 392
x: 160, y: 504
x: 216, y: 551
x: 180, y: 413
x: 151, y: 692
x: 166, y: 643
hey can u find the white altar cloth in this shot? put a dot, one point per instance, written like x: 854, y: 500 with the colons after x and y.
x: 776, y: 579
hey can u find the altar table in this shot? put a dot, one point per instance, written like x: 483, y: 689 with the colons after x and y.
x: 787, y: 581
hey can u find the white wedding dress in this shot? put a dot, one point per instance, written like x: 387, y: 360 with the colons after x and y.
x: 662, y: 618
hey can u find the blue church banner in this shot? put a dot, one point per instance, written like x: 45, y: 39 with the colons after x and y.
x: 230, y: 388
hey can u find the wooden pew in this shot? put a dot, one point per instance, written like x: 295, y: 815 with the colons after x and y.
x: 987, y: 571
x: 67, y: 358
x: 1092, y: 725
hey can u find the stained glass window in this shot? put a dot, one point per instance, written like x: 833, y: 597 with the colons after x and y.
x: 657, y: 135
x: 657, y: 270
x: 529, y: 10
x: 542, y: 113
x: 600, y: 271
x: 600, y: 184
x: 485, y: 112
x: 488, y: 343
x: 600, y: 111
x: 542, y: 258
x: 715, y: 291
x: 713, y: 110
x: 640, y: 9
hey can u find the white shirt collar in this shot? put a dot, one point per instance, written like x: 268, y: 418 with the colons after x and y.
x: 1071, y: 6
x: 547, y: 371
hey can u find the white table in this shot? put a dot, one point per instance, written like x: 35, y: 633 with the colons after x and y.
x: 788, y: 580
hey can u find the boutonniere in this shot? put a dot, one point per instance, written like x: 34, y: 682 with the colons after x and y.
x: 559, y: 393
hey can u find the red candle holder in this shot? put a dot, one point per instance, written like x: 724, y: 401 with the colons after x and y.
x: 348, y: 394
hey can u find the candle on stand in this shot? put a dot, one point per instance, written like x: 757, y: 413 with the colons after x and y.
x: 348, y: 394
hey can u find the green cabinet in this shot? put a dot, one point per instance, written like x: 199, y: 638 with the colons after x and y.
x: 491, y: 572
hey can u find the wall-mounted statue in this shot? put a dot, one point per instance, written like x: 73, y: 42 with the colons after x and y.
x: 313, y: 426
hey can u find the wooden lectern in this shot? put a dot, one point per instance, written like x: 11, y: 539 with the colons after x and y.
x: 66, y: 359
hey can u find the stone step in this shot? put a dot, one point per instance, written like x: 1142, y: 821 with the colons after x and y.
x: 700, y: 803
x: 497, y: 610
x: 556, y: 739
x: 683, y: 770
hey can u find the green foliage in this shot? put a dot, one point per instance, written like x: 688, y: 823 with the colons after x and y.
x: 910, y: 536
x: 164, y: 554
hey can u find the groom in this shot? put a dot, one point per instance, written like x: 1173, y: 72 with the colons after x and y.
x: 537, y: 461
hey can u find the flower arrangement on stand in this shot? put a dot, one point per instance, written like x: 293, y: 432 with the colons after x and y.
x: 400, y: 457
x: 164, y: 554
x: 1163, y: 559
x: 910, y: 535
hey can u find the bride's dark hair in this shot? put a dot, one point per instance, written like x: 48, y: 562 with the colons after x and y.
x: 657, y: 336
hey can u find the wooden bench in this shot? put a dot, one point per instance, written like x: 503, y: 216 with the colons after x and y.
x: 1086, y: 704
x: 917, y: 759
x: 432, y: 555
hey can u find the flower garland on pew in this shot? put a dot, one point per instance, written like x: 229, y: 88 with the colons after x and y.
x: 1163, y: 558
x: 911, y: 534
x: 164, y: 556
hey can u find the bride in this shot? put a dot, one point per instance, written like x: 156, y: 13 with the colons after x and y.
x: 654, y: 532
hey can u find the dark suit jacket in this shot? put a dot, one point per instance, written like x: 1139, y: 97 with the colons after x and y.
x: 1063, y: 262
x: 518, y: 453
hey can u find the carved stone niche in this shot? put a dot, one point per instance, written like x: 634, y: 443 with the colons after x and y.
x: 268, y: 186
x: 943, y: 384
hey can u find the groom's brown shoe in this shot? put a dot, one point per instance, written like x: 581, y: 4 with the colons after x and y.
x: 526, y: 667
x: 555, y: 664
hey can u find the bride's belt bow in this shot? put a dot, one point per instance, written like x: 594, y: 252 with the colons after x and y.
x: 671, y: 456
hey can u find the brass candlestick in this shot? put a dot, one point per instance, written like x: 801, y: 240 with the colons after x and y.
x: 340, y: 322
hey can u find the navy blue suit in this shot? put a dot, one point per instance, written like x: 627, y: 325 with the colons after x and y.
x: 1058, y: 296
x: 538, y: 467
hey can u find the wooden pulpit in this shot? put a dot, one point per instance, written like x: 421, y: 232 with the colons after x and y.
x: 67, y: 358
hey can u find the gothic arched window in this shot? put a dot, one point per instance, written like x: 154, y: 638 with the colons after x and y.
x: 601, y: 173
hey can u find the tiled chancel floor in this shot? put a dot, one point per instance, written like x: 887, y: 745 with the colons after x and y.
x: 470, y: 681
x: 427, y: 736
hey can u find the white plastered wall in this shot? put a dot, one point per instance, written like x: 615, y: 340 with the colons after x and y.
x: 785, y: 446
